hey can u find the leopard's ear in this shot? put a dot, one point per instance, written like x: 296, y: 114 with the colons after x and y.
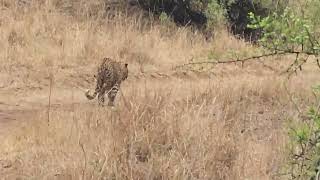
x: 126, y: 65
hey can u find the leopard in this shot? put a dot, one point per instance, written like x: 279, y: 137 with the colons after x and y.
x: 109, y: 76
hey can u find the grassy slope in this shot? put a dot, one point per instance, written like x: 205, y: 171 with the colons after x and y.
x: 227, y: 124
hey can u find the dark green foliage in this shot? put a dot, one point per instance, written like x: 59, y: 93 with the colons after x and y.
x: 209, y: 14
x: 183, y: 12
x: 238, y: 18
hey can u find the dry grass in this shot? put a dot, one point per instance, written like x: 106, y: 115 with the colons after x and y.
x: 167, y: 125
x: 198, y: 130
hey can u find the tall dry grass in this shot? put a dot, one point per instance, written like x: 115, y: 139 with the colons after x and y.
x: 178, y: 125
x: 40, y: 34
x: 180, y: 130
x: 53, y: 32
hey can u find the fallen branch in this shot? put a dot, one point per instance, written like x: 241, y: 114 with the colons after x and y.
x: 234, y: 60
x: 292, y: 67
x: 298, y: 66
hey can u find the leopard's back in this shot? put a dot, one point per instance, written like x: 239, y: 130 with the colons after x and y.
x: 111, y: 72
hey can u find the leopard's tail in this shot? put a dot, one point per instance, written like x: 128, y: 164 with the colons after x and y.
x: 90, y: 97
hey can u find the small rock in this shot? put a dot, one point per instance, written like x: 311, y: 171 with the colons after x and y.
x: 5, y: 164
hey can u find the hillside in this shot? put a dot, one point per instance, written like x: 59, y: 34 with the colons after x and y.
x: 202, y: 121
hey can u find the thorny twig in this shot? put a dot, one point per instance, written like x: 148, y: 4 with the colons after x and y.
x: 49, y: 97
x: 298, y: 66
x: 85, y: 160
x: 291, y: 69
x: 290, y: 98
x: 232, y: 60
x: 292, y: 64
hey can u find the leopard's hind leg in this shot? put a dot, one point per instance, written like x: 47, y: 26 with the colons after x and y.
x: 101, y: 98
x: 112, y: 94
x: 99, y: 86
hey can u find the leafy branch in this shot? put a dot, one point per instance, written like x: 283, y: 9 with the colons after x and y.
x: 288, y: 33
x: 305, y: 139
x: 238, y: 60
x: 284, y: 34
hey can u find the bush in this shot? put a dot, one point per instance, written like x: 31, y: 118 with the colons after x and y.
x: 211, y: 14
x: 203, y: 14
x: 291, y: 32
x: 304, y: 155
x: 183, y: 12
x: 285, y: 32
x: 312, y: 13
x: 216, y: 15
x: 288, y: 33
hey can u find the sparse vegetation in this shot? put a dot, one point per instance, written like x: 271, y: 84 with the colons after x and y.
x: 202, y: 121
x: 291, y: 33
x: 304, y: 143
x: 288, y: 34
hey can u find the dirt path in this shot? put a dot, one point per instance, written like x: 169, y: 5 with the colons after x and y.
x: 22, y: 106
x: 19, y: 102
x: 22, y: 97
x: 23, y: 91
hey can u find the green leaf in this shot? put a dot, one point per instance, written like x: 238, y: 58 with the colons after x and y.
x: 302, y: 134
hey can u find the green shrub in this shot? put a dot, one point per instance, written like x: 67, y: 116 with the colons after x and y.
x: 304, y: 154
x: 212, y: 14
x: 290, y: 32
x: 216, y: 15
x: 164, y: 18
x: 285, y: 32
x: 312, y: 12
